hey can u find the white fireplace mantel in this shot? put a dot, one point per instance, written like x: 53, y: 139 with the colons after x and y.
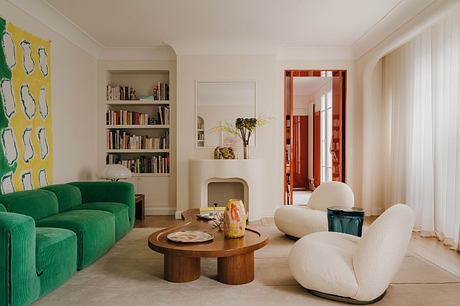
x: 249, y: 171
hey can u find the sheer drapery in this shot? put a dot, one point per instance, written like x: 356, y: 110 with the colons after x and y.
x: 422, y: 128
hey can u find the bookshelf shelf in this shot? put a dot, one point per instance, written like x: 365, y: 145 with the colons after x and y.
x: 151, y: 174
x: 134, y: 151
x: 137, y: 102
x: 158, y: 126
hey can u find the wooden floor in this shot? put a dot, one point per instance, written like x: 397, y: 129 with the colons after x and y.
x: 157, y: 221
x: 429, y: 248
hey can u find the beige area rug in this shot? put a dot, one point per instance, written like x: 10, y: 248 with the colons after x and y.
x: 132, y: 274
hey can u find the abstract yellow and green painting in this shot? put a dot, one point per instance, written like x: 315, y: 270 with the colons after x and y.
x: 25, y: 119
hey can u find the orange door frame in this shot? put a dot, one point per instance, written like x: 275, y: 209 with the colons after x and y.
x: 340, y: 141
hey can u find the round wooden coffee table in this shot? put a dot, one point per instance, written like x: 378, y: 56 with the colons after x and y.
x: 235, y: 257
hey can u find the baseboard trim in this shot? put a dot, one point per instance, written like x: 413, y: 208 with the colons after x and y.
x: 269, y: 213
x: 178, y: 214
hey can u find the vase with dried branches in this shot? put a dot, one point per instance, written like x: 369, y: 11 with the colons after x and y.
x: 244, y: 128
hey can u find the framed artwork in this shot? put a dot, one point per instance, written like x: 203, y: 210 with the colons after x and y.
x: 26, y: 159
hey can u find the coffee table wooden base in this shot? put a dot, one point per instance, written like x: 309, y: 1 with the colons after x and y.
x: 236, y: 270
x: 181, y: 269
x: 232, y: 270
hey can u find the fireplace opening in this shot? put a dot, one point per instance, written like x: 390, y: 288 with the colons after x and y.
x: 221, y: 191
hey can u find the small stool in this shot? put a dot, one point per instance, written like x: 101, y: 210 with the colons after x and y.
x: 139, y: 200
x: 348, y: 220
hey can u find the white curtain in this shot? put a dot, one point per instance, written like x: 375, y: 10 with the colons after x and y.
x: 422, y: 128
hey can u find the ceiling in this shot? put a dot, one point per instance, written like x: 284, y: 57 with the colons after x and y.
x: 148, y: 23
x: 304, y: 86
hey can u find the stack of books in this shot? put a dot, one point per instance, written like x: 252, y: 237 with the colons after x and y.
x: 163, y: 115
x: 143, y: 164
x: 124, y: 117
x: 118, y: 92
x: 122, y: 140
x: 161, y: 91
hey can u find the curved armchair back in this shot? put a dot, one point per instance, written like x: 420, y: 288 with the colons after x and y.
x: 331, y: 194
x: 381, y: 250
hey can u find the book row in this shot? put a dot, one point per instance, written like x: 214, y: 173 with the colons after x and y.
x: 160, y: 91
x: 117, y: 92
x: 143, y: 164
x: 122, y: 140
x: 125, y: 117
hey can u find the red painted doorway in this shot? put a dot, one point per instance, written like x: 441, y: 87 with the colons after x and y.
x: 309, y: 162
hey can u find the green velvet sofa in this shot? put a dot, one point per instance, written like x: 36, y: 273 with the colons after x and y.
x: 47, y: 234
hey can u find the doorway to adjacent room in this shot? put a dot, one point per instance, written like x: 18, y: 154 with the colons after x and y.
x: 314, y: 131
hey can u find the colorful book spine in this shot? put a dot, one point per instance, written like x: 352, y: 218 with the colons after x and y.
x: 143, y: 164
x: 122, y: 140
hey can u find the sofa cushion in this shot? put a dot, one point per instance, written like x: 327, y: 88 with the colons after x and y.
x: 19, y: 283
x: 56, y: 257
x: 2, y: 208
x: 68, y: 196
x: 37, y: 204
x: 95, y: 232
x: 120, y: 211
x: 119, y: 192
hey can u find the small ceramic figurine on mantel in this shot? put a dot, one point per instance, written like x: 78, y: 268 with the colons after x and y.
x: 224, y: 153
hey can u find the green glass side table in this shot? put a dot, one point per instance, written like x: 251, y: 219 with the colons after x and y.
x: 348, y: 220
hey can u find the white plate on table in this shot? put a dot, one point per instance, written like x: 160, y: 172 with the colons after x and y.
x: 190, y: 236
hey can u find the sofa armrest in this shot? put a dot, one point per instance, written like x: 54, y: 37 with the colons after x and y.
x: 19, y: 283
x: 120, y: 192
x: 2, y: 208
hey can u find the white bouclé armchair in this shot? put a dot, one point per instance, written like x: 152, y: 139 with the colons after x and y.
x: 298, y: 221
x: 352, y: 269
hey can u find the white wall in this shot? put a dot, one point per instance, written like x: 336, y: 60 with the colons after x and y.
x: 315, y: 99
x: 263, y: 70
x: 300, y: 104
x: 73, y: 89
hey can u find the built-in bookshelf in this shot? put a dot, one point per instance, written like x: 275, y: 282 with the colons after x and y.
x: 136, y: 126
x: 137, y: 121
x: 199, y: 132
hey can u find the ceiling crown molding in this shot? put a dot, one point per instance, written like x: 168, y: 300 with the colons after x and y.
x: 57, y: 22
x: 224, y: 47
x: 401, y: 14
x: 281, y: 50
x: 162, y: 52
x: 298, y: 52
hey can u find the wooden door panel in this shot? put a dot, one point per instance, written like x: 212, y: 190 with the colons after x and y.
x: 300, y: 152
x: 337, y: 127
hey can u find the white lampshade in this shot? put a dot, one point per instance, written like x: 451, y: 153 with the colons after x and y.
x: 115, y: 172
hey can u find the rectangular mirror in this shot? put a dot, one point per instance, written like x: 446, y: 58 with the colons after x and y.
x: 218, y: 103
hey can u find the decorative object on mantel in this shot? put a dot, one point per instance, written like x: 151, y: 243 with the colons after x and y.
x: 243, y: 128
x: 234, y: 219
x: 224, y: 153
